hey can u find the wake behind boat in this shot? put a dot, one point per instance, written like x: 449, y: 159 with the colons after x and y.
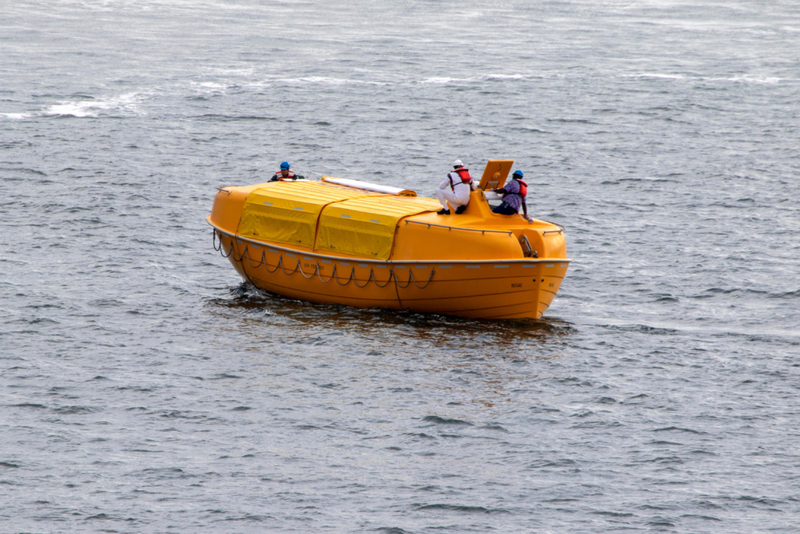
x: 347, y: 242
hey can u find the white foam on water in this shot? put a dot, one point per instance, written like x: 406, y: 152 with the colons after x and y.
x: 209, y: 87
x: 437, y: 80
x: 759, y: 80
x: 743, y: 78
x: 15, y: 116
x: 656, y: 75
x: 505, y: 77
x: 126, y: 104
x: 324, y: 80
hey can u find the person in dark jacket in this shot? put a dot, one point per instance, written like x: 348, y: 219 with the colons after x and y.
x: 285, y: 174
x: 514, y: 193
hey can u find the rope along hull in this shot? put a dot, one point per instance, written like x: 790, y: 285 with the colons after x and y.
x: 513, y: 289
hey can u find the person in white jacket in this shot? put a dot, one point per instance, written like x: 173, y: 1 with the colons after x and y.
x: 455, y: 189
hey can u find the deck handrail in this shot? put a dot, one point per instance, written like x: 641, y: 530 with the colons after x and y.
x: 326, y: 256
x: 464, y: 229
x: 559, y: 231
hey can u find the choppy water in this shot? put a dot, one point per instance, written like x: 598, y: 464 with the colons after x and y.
x: 143, y: 388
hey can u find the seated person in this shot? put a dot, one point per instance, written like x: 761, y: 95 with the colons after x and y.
x: 285, y: 174
x: 514, y: 193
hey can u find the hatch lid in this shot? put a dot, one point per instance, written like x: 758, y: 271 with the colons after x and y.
x: 495, y: 174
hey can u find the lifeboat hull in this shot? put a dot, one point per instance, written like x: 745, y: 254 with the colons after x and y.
x: 515, y: 289
x: 338, y: 244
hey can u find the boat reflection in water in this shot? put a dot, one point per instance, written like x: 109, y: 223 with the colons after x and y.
x: 346, y: 242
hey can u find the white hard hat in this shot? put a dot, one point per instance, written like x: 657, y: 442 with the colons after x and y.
x: 458, y: 163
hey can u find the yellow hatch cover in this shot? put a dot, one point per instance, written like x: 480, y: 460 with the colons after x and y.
x: 495, y: 174
x: 287, y: 212
x: 366, y: 226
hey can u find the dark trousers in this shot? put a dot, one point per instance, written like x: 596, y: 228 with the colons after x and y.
x: 504, y: 209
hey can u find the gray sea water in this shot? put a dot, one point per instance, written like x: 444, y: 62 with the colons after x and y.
x: 144, y: 388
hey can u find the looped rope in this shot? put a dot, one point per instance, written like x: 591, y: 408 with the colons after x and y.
x: 426, y: 283
x: 411, y: 280
x: 214, y: 240
x: 297, y: 266
x: 280, y: 262
x: 352, y: 271
x: 397, y: 280
x: 256, y: 266
x: 221, y: 248
x: 388, y: 281
x: 240, y: 257
x: 365, y: 283
x: 329, y: 279
x: 317, y: 270
x: 316, y: 266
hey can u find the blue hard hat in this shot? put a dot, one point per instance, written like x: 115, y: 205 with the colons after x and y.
x: 518, y: 173
x: 285, y: 165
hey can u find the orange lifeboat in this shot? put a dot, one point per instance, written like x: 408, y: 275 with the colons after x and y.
x: 346, y: 242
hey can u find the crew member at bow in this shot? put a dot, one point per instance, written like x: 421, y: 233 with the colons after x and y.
x: 455, y: 189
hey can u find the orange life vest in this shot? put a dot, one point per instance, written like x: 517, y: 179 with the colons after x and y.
x: 281, y: 178
x: 463, y: 173
x: 523, y: 189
